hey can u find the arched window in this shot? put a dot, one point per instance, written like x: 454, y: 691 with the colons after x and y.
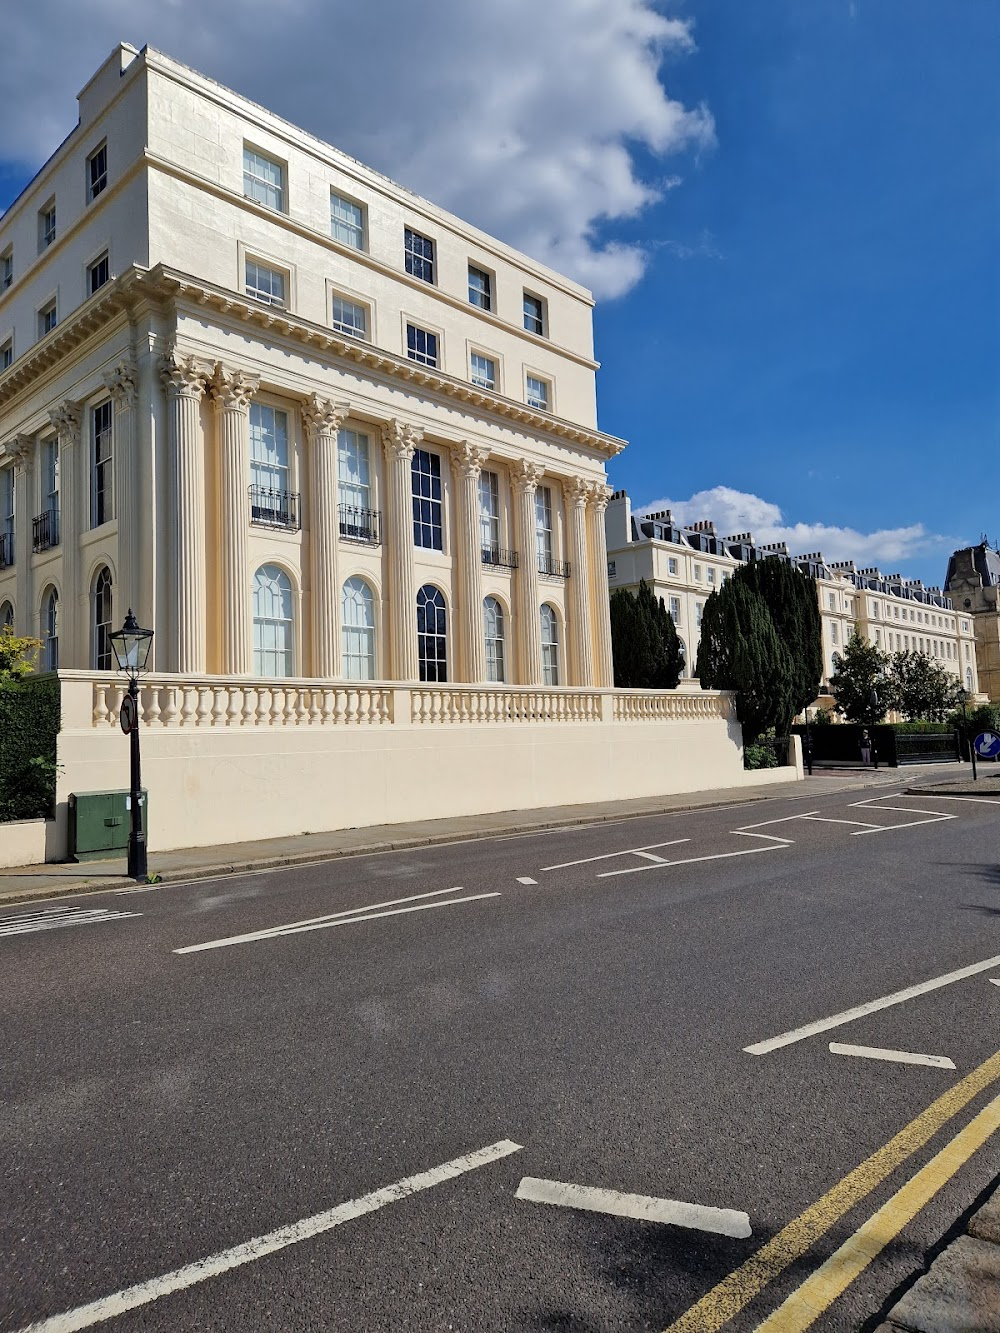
x: 101, y: 616
x: 550, y: 645
x: 493, y: 629
x: 6, y: 615
x: 432, y: 634
x: 50, y: 630
x: 684, y: 656
x: 968, y: 679
x: 358, y: 630
x: 273, y: 653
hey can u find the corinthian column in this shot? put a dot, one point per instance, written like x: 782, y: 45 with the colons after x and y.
x: 399, y: 443
x: 525, y: 477
x: 322, y: 419
x: 185, y: 383
x: 469, y: 461
x: 67, y: 420
x: 604, y: 666
x: 122, y: 383
x: 23, y: 452
x: 231, y: 393
x: 577, y: 493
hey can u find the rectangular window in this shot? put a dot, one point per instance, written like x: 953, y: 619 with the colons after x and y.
x: 612, y: 569
x: 101, y: 470
x: 98, y: 273
x: 46, y: 319
x: 671, y: 565
x: 50, y: 476
x: 268, y: 451
x: 710, y: 575
x: 421, y: 346
x: 543, y: 529
x: 354, y: 471
x: 538, y: 393
x: 263, y: 284
x: 833, y: 601
x: 480, y: 288
x: 833, y: 632
x: 675, y: 610
x: 97, y: 172
x: 46, y: 226
x: 347, y: 222
x: 534, y: 314
x: 699, y: 607
x: 263, y: 180
x: 697, y: 573
x: 484, y: 371
x: 489, y: 514
x: 7, y: 504
x: 428, y: 526
x: 6, y: 268
x: 349, y: 318
x: 6, y: 354
x: 419, y: 255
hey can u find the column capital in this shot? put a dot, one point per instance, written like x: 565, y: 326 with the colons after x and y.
x: 322, y: 416
x: 599, y: 495
x: 525, y: 476
x: 67, y: 419
x: 577, y: 490
x: 469, y: 459
x: 20, y: 449
x: 122, y: 382
x: 399, y: 440
x: 183, y: 376
x: 232, y: 390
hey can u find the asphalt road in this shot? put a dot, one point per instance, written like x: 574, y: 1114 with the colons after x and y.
x: 563, y: 991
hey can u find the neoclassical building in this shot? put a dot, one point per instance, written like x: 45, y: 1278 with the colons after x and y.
x: 303, y: 422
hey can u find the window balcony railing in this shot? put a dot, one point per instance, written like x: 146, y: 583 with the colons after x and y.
x: 45, y: 530
x: 361, y: 525
x: 6, y: 550
x: 496, y: 555
x: 274, y: 509
x: 556, y: 569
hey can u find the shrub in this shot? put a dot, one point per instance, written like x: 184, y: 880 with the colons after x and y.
x: 29, y: 724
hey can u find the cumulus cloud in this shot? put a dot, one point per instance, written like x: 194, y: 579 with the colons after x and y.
x: 523, y: 118
x: 740, y: 511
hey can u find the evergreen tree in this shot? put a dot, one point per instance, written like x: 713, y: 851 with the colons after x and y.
x: 922, y: 689
x: 861, y: 669
x: 790, y: 597
x: 647, y: 652
x: 740, y: 650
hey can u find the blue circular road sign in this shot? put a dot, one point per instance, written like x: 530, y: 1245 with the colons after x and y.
x: 987, y: 745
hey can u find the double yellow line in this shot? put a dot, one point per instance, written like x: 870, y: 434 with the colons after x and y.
x: 805, y: 1305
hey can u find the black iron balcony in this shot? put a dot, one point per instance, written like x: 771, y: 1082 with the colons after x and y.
x: 556, y: 569
x: 274, y: 509
x: 496, y: 555
x: 360, y: 525
x: 45, y: 530
x: 6, y: 550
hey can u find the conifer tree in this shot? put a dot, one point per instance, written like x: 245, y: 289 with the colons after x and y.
x: 790, y: 597
x: 740, y: 650
x: 647, y: 652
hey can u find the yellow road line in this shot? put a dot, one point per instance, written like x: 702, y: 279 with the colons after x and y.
x: 736, y: 1291
x: 806, y: 1304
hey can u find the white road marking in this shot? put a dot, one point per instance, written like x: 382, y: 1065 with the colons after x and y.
x: 607, y: 856
x: 858, y: 823
x: 979, y: 800
x: 137, y: 888
x: 900, y: 1057
x: 143, y: 1293
x: 871, y: 1007
x: 995, y: 981
x: 720, y: 1221
x: 693, y: 860
x: 341, y: 919
x: 936, y: 816
x: 55, y: 918
x: 766, y: 823
x: 526, y: 879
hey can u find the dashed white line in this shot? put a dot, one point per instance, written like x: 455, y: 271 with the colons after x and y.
x: 642, y: 1207
x: 898, y: 1057
x: 526, y: 879
x: 607, y: 856
x: 143, y: 1293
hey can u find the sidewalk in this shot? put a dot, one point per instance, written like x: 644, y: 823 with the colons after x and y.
x: 25, y: 883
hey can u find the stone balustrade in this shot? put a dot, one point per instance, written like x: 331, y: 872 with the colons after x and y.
x: 668, y: 705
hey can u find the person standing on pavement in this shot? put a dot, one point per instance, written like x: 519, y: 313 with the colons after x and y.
x: 866, y: 748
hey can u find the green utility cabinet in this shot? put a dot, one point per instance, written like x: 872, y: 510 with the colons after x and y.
x: 99, y: 823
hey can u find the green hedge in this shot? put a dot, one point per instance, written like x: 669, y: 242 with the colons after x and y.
x: 29, y: 724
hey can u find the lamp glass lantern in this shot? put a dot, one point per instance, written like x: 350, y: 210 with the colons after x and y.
x: 131, y: 646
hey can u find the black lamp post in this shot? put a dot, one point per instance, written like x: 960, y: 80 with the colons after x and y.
x: 809, y: 745
x: 131, y: 647
x: 873, y: 704
x: 963, y: 695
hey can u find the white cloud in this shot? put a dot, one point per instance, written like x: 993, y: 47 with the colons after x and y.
x: 520, y: 117
x: 739, y: 511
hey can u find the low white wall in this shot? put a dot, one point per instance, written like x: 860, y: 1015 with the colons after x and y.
x: 22, y: 843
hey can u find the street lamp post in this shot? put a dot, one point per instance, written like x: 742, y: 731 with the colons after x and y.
x: 873, y: 704
x: 809, y: 745
x: 963, y: 695
x: 131, y: 647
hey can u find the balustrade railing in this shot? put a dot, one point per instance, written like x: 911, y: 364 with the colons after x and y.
x: 274, y: 509
x: 555, y: 569
x: 665, y: 705
x: 173, y: 702
x: 496, y: 555
x: 467, y: 703
x: 6, y: 549
x: 45, y: 530
x: 360, y: 525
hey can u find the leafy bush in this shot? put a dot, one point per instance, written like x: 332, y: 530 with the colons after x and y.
x: 759, y: 756
x: 29, y: 724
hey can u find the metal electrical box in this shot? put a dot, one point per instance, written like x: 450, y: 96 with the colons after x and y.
x: 99, y: 823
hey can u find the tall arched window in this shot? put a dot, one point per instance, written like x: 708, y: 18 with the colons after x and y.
x: 432, y: 634
x: 50, y: 630
x: 493, y: 629
x: 273, y: 651
x: 6, y: 615
x: 550, y: 645
x: 358, y: 630
x: 101, y: 617
x: 684, y: 656
x: 968, y: 679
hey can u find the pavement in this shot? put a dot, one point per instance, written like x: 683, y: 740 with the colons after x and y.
x: 23, y: 883
x: 730, y: 1068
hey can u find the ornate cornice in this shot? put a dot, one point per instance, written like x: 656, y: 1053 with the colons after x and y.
x: 122, y: 382
x: 525, y: 476
x: 322, y: 416
x: 232, y: 389
x: 469, y: 459
x: 184, y: 376
x: 400, y: 439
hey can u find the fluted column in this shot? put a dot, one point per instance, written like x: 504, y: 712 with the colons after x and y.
x: 122, y: 384
x: 577, y: 493
x: 323, y: 419
x: 185, y: 382
x: 231, y: 394
x: 604, y: 667
x: 73, y: 489
x: 468, y: 548
x: 399, y: 442
x: 23, y: 450
x: 525, y: 477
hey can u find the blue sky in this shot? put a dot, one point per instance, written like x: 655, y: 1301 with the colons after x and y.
x: 788, y: 209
